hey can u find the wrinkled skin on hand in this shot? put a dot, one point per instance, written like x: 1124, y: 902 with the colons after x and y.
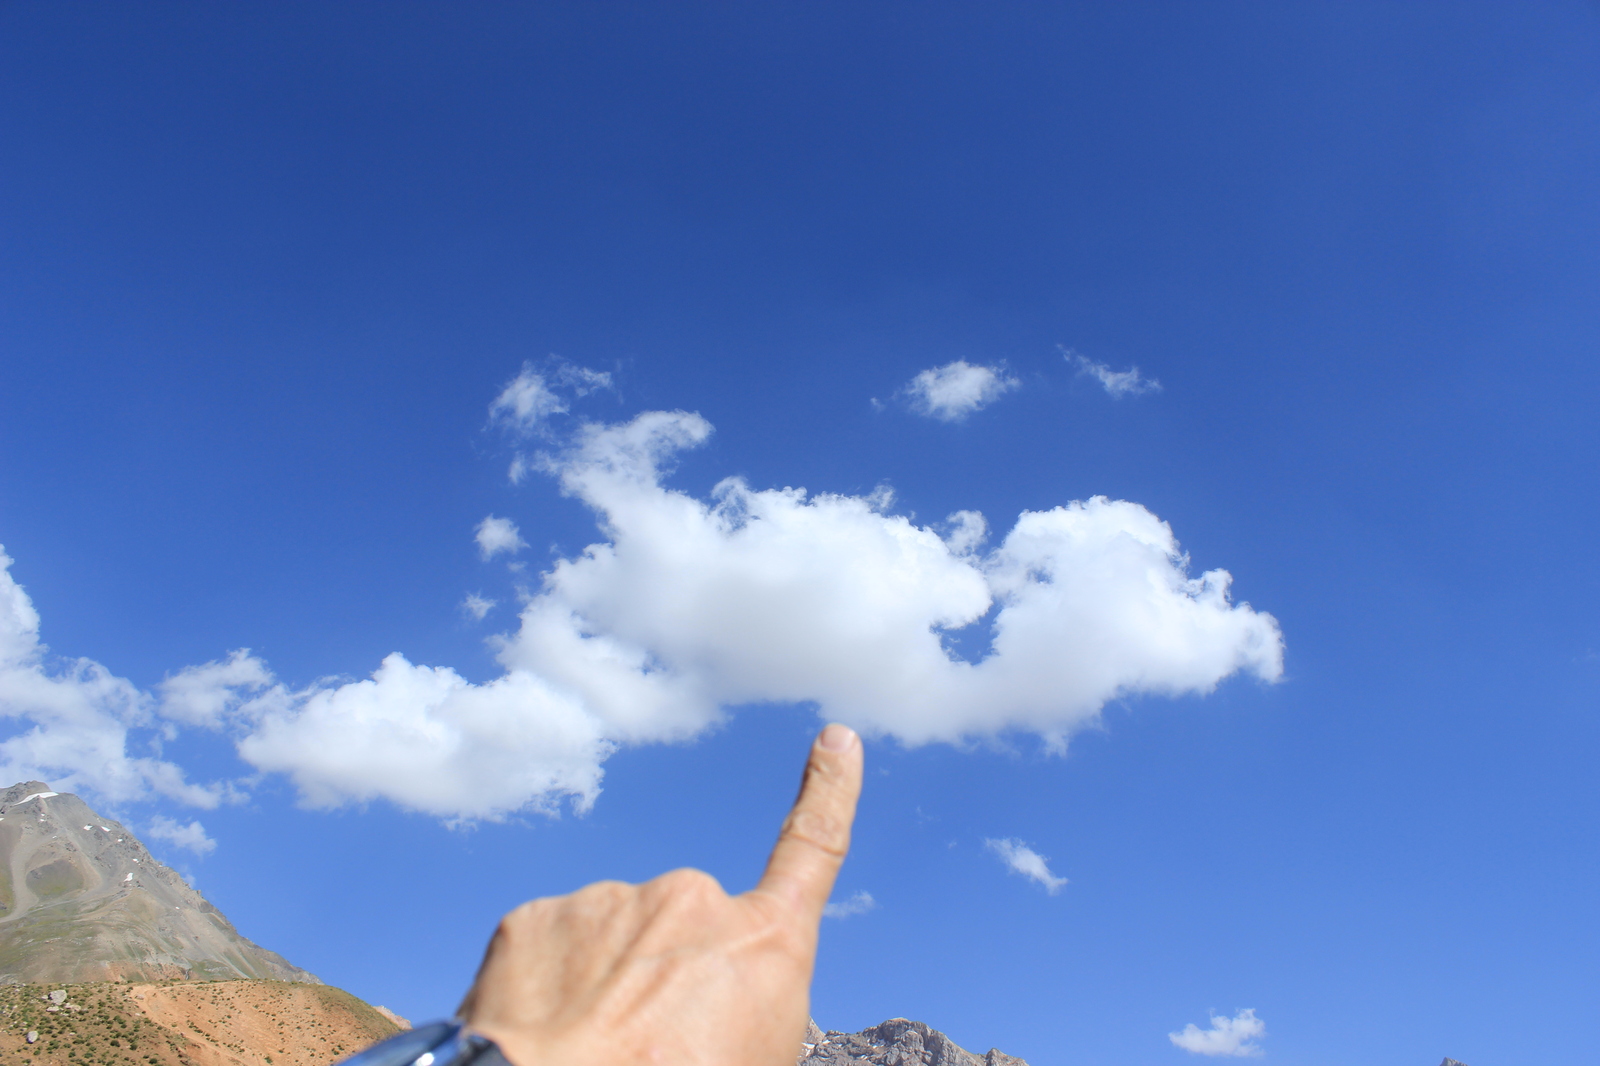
x: 675, y: 971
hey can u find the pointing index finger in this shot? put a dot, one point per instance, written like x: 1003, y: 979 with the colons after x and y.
x: 816, y: 835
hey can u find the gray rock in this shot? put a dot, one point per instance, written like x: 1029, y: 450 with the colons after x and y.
x: 896, y: 1042
x: 1451, y: 1062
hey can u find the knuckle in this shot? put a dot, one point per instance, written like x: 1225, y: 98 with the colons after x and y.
x: 829, y: 769
x: 601, y: 896
x: 589, y: 904
x: 525, y: 913
x: 517, y: 921
x: 817, y: 828
x: 821, y: 766
x: 690, y: 883
x: 597, y: 890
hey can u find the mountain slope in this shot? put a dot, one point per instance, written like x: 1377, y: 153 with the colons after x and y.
x: 197, y: 1023
x: 81, y: 899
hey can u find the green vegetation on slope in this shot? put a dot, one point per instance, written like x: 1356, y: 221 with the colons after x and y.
x: 105, y: 1030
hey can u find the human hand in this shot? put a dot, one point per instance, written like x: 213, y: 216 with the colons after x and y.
x: 675, y: 971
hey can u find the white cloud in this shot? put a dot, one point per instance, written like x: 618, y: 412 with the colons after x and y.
x: 477, y: 606
x: 1118, y: 383
x: 752, y: 596
x: 496, y: 535
x: 772, y: 595
x: 859, y: 903
x: 78, y: 718
x: 200, y: 695
x: 427, y: 739
x: 965, y: 532
x: 692, y: 606
x: 191, y: 837
x: 525, y: 403
x: 528, y: 400
x: 580, y: 379
x: 952, y: 392
x: 1021, y: 859
x: 1227, y: 1036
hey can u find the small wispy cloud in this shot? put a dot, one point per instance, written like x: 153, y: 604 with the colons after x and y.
x: 952, y: 392
x: 526, y: 401
x: 497, y: 535
x: 860, y: 903
x: 1118, y: 383
x: 580, y: 379
x: 1233, y: 1037
x: 477, y: 606
x: 529, y: 400
x: 191, y: 837
x: 1021, y: 859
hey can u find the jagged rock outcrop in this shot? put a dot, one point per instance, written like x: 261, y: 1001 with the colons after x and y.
x: 896, y: 1042
x: 81, y: 899
x: 1451, y: 1062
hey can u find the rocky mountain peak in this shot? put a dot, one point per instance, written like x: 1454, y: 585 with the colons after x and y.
x: 82, y: 899
x: 896, y: 1042
x: 23, y: 790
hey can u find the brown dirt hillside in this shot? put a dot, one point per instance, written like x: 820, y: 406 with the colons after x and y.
x: 178, y: 1023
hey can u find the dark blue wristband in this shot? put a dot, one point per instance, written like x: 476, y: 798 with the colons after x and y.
x: 436, y: 1044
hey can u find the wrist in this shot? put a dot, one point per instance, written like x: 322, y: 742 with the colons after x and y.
x: 437, y: 1044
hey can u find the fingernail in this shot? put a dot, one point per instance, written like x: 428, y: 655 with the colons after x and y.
x: 838, y: 737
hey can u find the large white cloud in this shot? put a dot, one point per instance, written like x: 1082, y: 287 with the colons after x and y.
x: 773, y: 596
x: 690, y: 606
x: 78, y: 718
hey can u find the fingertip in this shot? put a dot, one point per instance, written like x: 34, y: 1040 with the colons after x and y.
x: 838, y: 737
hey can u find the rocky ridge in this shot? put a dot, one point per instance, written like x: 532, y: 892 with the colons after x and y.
x: 81, y: 899
x: 896, y: 1042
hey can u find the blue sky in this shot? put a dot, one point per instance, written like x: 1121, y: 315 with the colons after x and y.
x: 266, y: 268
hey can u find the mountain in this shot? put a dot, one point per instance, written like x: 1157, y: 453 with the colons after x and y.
x: 81, y: 899
x: 108, y: 958
x: 186, y: 1023
x: 896, y: 1042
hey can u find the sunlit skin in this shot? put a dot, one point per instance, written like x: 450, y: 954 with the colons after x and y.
x: 676, y: 970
